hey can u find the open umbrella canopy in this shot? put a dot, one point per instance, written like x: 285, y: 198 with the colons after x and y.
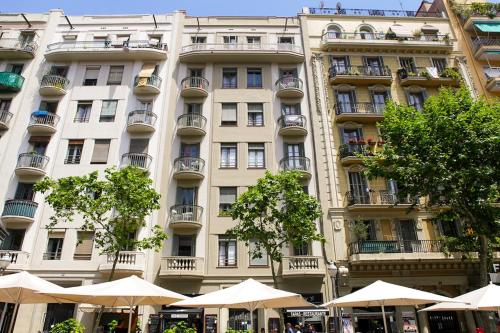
x: 382, y: 293
x: 24, y: 288
x: 484, y: 299
x: 249, y: 294
x: 129, y: 291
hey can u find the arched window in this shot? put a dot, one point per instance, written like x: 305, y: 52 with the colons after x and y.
x: 366, y: 32
x: 334, y: 31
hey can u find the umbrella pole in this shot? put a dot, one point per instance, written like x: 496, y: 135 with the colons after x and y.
x: 251, y: 321
x: 383, y: 316
x: 13, y: 319
x: 130, y: 320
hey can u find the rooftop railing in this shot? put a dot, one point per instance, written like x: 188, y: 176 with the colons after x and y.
x: 107, y: 44
x: 335, y: 35
x: 372, y: 12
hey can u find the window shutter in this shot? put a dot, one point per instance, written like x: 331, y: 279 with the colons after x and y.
x: 108, y: 108
x: 101, y: 150
x: 139, y: 146
x: 92, y: 73
x: 56, y: 234
x: 228, y: 112
x: 147, y: 70
x: 42, y: 139
x: 227, y: 195
x: 85, y: 245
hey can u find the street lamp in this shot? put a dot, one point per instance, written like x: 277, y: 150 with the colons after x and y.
x: 333, y: 271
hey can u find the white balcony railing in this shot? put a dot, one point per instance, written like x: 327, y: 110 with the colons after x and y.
x: 230, y: 47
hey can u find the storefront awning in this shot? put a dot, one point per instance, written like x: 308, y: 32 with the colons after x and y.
x: 488, y: 26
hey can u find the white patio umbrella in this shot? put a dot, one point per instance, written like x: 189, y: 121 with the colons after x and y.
x: 383, y: 294
x: 130, y: 291
x: 483, y: 299
x: 24, y: 288
x: 249, y: 295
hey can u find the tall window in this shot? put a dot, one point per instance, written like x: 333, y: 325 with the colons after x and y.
x: 184, y: 245
x: 198, y: 39
x: 339, y: 65
x: 408, y: 63
x: 74, y: 154
x: 83, y: 112
x: 286, y: 40
x: 5, y: 104
x: 254, y: 78
x: 228, y: 153
x: 230, y: 39
x: 227, y: 251
x: 379, y: 98
x: 84, y: 246
x: 108, y: 111
x: 14, y: 240
x: 227, y: 196
x: 115, y: 75
x: 24, y: 191
x: 262, y: 261
x: 255, y: 114
x: 256, y: 153
x: 416, y: 99
x: 439, y: 63
x: 359, y: 188
x: 346, y: 102
x: 91, y: 75
x: 101, y: 150
x: 229, y: 78
x: 229, y: 114
x: 15, y: 68
x: 54, y: 246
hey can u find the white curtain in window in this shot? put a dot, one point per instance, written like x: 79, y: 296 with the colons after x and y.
x: 108, y: 108
x: 229, y: 112
x: 231, y: 253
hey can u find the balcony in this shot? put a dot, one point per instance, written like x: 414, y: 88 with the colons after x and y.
x: 19, y: 211
x: 360, y: 75
x: 185, y: 217
x: 189, y: 168
x: 5, y: 117
x: 140, y: 160
x: 477, y: 16
x: 31, y: 165
x: 147, y: 85
x: 18, y: 259
x: 349, y: 153
x: 289, y: 87
x: 43, y: 123
x: 487, y: 49
x: 359, y: 112
x: 185, y: 267
x: 128, y: 262
x: 10, y: 82
x: 53, y: 85
x: 422, y: 77
x: 14, y: 48
x: 279, y: 53
x: 492, y: 84
x: 194, y: 87
x: 333, y: 41
x: 299, y: 163
x: 191, y: 125
x: 141, y: 121
x: 382, y: 199
x: 106, y: 51
x: 292, y: 125
x: 302, y: 266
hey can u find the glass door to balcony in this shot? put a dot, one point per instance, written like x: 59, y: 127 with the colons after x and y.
x: 59, y: 71
x: 408, y: 236
x: 351, y: 135
x: 339, y: 65
x: 14, y: 240
x: 359, y: 188
x: 184, y: 246
x: 416, y: 99
x: 24, y: 191
x: 374, y: 65
x: 186, y: 196
x: 295, y: 154
x: 301, y: 250
x: 346, y: 102
x: 378, y: 99
x: 190, y: 150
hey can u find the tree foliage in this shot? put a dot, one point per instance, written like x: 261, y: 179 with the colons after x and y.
x: 68, y: 326
x: 448, y: 153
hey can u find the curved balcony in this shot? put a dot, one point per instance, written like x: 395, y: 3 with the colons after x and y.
x: 349, y: 153
x: 359, y: 112
x: 140, y: 121
x: 19, y: 211
x: 31, y: 164
x: 147, y: 85
x: 13, y: 48
x: 18, y: 259
x: 186, y: 267
x: 298, y: 163
x: 106, y: 50
x: 191, y: 125
x: 361, y: 75
x: 128, y: 262
x: 289, y: 87
x: 486, y: 48
x: 194, y: 87
x: 189, y: 168
x: 43, y: 123
x: 140, y: 160
x: 292, y: 125
x: 247, y: 52
x: 423, y: 76
x: 10, y: 82
x: 53, y: 85
x: 5, y: 117
x: 185, y: 217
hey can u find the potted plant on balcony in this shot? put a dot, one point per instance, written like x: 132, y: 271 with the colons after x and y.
x: 451, y: 73
x: 360, y: 230
x: 371, y: 141
x: 425, y: 73
x: 361, y: 141
x: 381, y: 142
x: 352, y: 141
x: 68, y: 326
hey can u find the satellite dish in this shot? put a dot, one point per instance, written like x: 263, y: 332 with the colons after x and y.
x: 339, y: 5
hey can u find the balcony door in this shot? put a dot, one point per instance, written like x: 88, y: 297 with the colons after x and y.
x: 193, y: 108
x: 295, y: 153
x: 190, y: 150
x: 184, y: 246
x: 59, y: 71
x: 24, y: 191
x: 138, y: 146
x: 346, y: 101
x: 374, y: 65
x: 359, y: 188
x: 379, y: 99
x: 195, y: 72
x: 351, y: 135
x: 14, y: 240
x: 339, y: 65
x: 186, y: 196
x: 408, y: 236
x: 290, y: 109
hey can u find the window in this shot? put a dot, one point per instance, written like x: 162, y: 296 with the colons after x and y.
x: 26, y: 38
x: 256, y: 153
x: 193, y: 108
x: 351, y: 135
x: 408, y: 63
x: 346, y: 102
x: 374, y: 66
x: 15, y: 68
x: 379, y: 98
x: 301, y: 250
x: 334, y: 31
x: 184, y: 246
x: 145, y: 105
x: 108, y: 111
x: 227, y: 196
x: 190, y: 150
x: 74, y: 153
x: 449, y: 228
x: 229, y: 78
x: 359, y: 188
x: 5, y: 104
x: 101, y: 150
x: 229, y: 114
x: 254, y: 40
x: 227, y: 252
x: 59, y: 70
x: 198, y: 39
x: 50, y: 106
x: 14, y: 240
x: 122, y: 40
x: 290, y: 109
x: 84, y: 246
x: 54, y: 246
x: 339, y: 65
x: 255, y: 114
x: 285, y: 40
x: 230, y: 39
x: 440, y: 64
x: 416, y: 99
x: 115, y: 75
x: 91, y: 75
x: 68, y: 38
x: 83, y: 112
x: 262, y: 261
x: 155, y: 40
x: 24, y: 191
x: 138, y: 146
x: 254, y: 78
x: 228, y: 153
x: 366, y: 33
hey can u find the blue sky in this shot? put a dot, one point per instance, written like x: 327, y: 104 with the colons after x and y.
x: 194, y: 7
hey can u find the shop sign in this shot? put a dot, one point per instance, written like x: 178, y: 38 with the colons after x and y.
x: 409, y: 322
x: 306, y: 313
x: 496, y: 268
x: 179, y: 315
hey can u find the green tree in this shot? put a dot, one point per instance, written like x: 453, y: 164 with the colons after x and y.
x: 68, y: 326
x: 114, y: 208
x: 275, y: 213
x: 447, y: 153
